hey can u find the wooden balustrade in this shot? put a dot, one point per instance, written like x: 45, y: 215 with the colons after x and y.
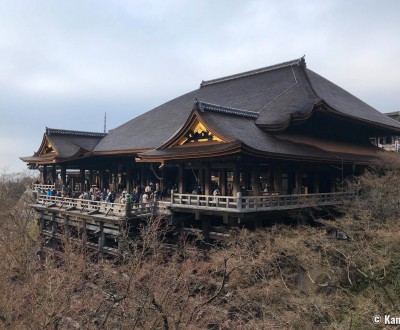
x: 39, y: 186
x: 257, y: 203
x: 106, y: 208
x: 241, y: 204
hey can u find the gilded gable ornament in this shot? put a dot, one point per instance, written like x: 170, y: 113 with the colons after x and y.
x: 198, y: 133
x: 48, y: 149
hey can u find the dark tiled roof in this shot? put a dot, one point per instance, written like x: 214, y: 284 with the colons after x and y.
x: 67, y: 145
x: 151, y: 129
x: 264, y: 99
x: 347, y: 104
x: 299, y: 61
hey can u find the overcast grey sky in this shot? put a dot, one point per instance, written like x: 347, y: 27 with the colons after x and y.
x: 64, y: 63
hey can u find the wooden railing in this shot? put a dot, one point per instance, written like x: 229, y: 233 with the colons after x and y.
x: 41, y: 187
x: 89, y: 206
x: 257, y: 203
x: 241, y: 204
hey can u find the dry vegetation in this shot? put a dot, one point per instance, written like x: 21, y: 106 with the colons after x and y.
x: 283, y: 277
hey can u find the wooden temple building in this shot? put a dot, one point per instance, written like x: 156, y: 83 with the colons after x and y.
x: 272, y: 139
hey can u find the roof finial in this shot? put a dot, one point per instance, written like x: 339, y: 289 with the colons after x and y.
x: 303, y: 61
x: 105, y: 121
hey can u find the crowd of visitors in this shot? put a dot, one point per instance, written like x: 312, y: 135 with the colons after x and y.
x: 140, y: 194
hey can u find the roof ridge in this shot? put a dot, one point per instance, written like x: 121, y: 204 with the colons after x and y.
x: 202, y: 106
x: 300, y: 61
x: 392, y: 113
x: 50, y: 131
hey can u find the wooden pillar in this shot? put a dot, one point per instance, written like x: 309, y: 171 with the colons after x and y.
x: 206, y: 224
x: 44, y: 174
x: 222, y: 182
x: 66, y: 227
x: 53, y: 229
x: 207, y: 180
x: 201, y: 179
x: 129, y: 181
x: 162, y: 181
x: 101, y: 238
x: 255, y: 182
x: 298, y: 181
x: 278, y: 180
x: 42, y: 223
x: 63, y: 175
x: 245, y: 178
x: 146, y: 175
x: 141, y: 175
x: 236, y: 180
x: 116, y: 181
x: 54, y: 173
x: 180, y: 179
x: 316, y: 182
x: 93, y: 176
x: 82, y: 177
x: 100, y: 180
x: 84, y: 233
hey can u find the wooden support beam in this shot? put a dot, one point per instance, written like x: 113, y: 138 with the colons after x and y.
x: 54, y: 173
x: 181, y: 183
x: 129, y: 181
x: 222, y: 182
x: 201, y: 179
x: 316, y: 182
x: 278, y: 180
x: 225, y: 219
x: 53, y: 228
x: 84, y: 232
x: 206, y: 224
x: 66, y: 226
x: 297, y: 181
x: 236, y: 180
x: 102, y: 180
x: 82, y: 177
x: 255, y: 182
x: 44, y: 174
x: 207, y: 180
x: 42, y: 222
x: 101, y: 239
x: 63, y: 175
